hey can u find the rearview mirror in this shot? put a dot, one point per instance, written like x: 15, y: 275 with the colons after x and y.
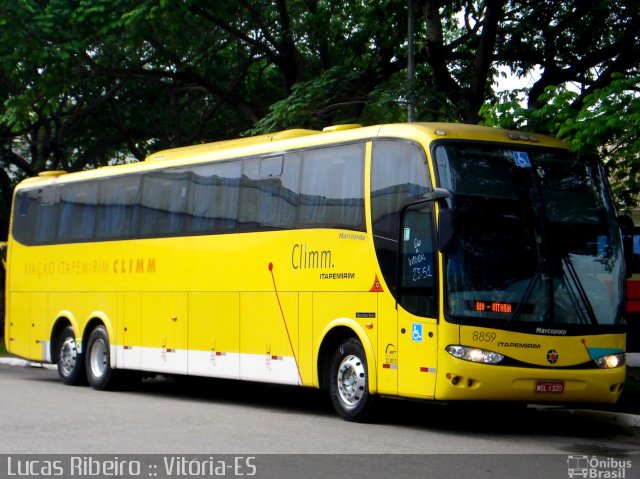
x: 446, y: 230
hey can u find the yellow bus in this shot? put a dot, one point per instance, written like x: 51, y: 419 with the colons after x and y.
x: 427, y: 260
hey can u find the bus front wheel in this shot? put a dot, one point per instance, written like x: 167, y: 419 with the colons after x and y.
x: 69, y: 360
x: 348, y: 381
x: 98, y: 360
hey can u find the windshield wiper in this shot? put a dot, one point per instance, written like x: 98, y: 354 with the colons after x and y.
x: 527, y: 293
x: 573, y: 276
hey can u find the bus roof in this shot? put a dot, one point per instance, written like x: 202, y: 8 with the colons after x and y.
x: 452, y: 130
x: 301, y: 138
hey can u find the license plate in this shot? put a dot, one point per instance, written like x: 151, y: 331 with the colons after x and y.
x: 553, y: 387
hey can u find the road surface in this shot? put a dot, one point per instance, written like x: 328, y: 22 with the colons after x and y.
x: 39, y: 415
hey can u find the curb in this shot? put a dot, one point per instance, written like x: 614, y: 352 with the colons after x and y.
x: 620, y: 419
x: 22, y: 363
x: 633, y: 360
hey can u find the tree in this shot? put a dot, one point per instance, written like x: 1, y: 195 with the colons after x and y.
x: 85, y: 83
x: 90, y: 83
x: 566, y: 41
x: 607, y: 120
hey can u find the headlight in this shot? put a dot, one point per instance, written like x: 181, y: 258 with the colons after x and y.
x: 611, y: 361
x: 475, y: 355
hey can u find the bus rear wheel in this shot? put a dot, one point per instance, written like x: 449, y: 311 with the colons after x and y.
x: 349, y: 382
x: 70, y: 361
x: 98, y: 360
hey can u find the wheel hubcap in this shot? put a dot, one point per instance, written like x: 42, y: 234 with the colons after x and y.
x: 99, y: 358
x: 352, y: 380
x: 68, y: 356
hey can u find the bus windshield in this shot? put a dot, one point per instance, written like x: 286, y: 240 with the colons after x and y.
x: 536, y: 238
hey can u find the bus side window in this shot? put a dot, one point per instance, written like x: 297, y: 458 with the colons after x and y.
x: 332, y: 188
x: 214, y: 192
x: 399, y: 176
x: 78, y: 204
x: 164, y: 199
x: 25, y: 221
x: 279, y: 191
x: 117, y: 207
x: 48, y: 215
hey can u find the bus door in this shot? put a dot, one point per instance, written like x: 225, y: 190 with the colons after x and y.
x: 417, y: 303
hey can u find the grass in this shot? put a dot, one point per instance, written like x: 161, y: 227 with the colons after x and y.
x: 3, y: 351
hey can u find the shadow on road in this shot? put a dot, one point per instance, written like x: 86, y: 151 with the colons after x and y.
x: 456, y: 418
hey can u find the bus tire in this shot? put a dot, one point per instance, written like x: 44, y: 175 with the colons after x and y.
x: 349, y: 382
x: 69, y: 360
x: 98, y: 360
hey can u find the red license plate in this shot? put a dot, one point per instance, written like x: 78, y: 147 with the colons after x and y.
x: 553, y: 387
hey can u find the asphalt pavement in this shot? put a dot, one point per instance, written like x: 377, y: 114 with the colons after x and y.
x: 625, y: 413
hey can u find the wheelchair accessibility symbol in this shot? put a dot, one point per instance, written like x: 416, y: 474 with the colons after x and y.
x: 416, y: 332
x: 521, y: 159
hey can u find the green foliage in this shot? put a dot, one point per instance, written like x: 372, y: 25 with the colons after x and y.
x: 607, y: 120
x: 387, y: 103
x: 85, y: 83
x: 310, y: 103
